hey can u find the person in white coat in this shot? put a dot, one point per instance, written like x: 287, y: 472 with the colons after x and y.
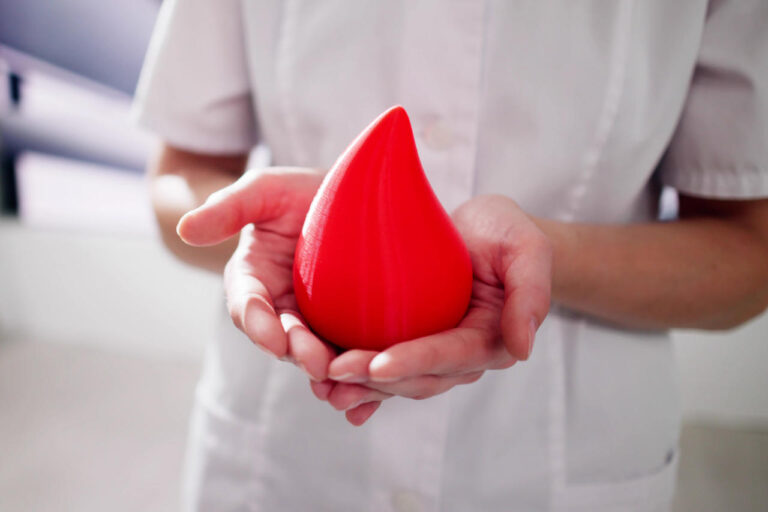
x: 574, y: 115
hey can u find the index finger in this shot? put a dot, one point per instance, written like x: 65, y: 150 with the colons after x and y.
x: 251, y: 308
x: 311, y: 354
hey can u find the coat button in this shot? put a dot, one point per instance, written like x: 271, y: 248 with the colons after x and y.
x: 406, y: 501
x: 438, y: 135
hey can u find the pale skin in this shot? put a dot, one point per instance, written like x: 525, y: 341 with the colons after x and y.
x: 706, y: 270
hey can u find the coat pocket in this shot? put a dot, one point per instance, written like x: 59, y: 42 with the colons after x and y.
x: 652, y: 492
x: 221, y: 462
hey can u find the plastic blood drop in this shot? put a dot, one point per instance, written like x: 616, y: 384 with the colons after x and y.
x: 379, y: 260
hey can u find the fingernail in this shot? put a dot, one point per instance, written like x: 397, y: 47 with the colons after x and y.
x: 384, y: 380
x: 178, y: 227
x: 265, y: 350
x: 252, y: 317
x: 533, y: 326
x: 304, y: 369
x: 210, y: 199
x: 347, y: 377
x: 355, y: 404
x: 322, y: 390
x: 379, y: 362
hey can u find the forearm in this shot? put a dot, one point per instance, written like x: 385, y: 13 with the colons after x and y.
x: 181, y: 181
x: 700, y: 272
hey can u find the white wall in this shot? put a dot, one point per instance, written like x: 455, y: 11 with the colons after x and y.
x: 121, y: 292
x: 724, y: 376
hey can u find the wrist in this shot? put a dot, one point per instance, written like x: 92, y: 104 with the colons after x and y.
x: 563, y: 238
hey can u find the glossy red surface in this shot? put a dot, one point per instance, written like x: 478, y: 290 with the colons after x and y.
x: 379, y: 260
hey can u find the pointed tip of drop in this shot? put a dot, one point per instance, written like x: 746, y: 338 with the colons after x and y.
x: 394, y: 113
x: 396, y: 110
x: 393, y: 120
x: 389, y: 134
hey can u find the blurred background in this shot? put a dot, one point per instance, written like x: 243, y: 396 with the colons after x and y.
x: 101, y: 331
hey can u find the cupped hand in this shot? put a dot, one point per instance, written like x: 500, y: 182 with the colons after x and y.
x: 512, y: 264
x: 267, y: 208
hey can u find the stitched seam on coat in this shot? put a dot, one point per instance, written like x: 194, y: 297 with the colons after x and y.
x: 283, y: 63
x: 594, y: 153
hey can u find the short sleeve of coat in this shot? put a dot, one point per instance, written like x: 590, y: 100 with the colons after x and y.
x: 194, y: 90
x: 720, y: 148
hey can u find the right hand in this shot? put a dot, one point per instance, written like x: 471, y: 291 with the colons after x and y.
x: 268, y: 207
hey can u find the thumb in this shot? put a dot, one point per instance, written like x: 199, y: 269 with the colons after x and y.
x: 526, y: 273
x: 256, y: 197
x: 224, y: 213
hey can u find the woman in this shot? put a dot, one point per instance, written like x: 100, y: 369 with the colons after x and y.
x: 573, y: 114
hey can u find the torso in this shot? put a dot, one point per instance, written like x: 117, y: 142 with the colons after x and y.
x: 566, y: 107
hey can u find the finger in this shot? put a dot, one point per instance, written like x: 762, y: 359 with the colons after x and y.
x: 251, y: 309
x: 361, y: 413
x: 351, y: 366
x: 457, y: 350
x: 427, y: 386
x: 322, y: 389
x: 348, y: 396
x: 260, y: 195
x: 527, y: 286
x: 307, y: 350
x: 224, y: 213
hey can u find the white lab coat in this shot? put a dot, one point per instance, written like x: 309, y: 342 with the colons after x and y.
x: 578, y: 111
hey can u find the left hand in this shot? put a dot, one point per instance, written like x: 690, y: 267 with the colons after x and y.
x: 512, y: 266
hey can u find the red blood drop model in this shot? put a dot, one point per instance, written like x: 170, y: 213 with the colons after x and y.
x: 379, y: 260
